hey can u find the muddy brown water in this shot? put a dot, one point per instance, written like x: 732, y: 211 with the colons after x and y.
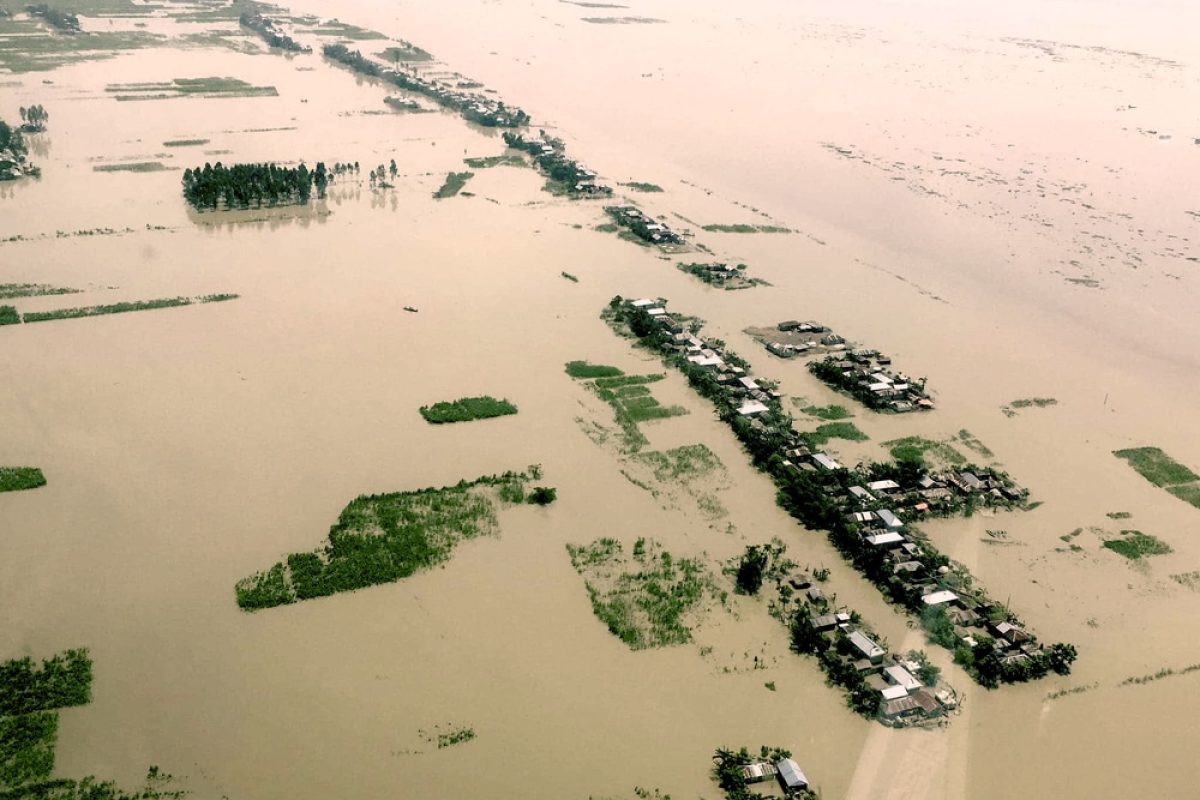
x: 186, y: 448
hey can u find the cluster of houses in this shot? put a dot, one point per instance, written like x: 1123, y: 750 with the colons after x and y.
x: 643, y: 225
x: 550, y: 155
x: 866, y: 375
x: 721, y: 275
x: 474, y: 106
x: 785, y: 771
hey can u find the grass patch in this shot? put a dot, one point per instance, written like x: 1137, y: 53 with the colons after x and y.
x: 1118, y: 515
x: 971, y: 441
x: 454, y: 183
x: 16, y: 479
x: 741, y: 228
x: 606, y: 227
x: 132, y: 166
x: 1135, y: 545
x: 831, y: 413
x: 1188, y: 493
x: 583, y: 369
x: 62, y: 681
x: 1165, y: 672
x: 916, y: 448
x: 406, y: 52
x: 184, y: 142
x: 33, y: 49
x: 207, y: 88
x: 1188, y: 580
x: 570, y: 277
x: 1156, y: 466
x: 27, y: 748
x: 9, y: 316
x: 458, y: 736
x: 10, y: 290
x: 681, y: 463
x: 487, y: 162
x: 121, y: 308
x: 383, y: 538
x: 649, y: 599
x: 835, y: 430
x: 466, y: 409
x: 639, y: 186
x: 344, y: 30
x: 1011, y: 409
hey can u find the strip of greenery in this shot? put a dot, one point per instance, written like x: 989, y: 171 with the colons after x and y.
x: 406, y: 52
x: 835, y: 430
x: 121, y: 308
x: 638, y: 186
x: 16, y: 479
x: 1135, y: 545
x: 1165, y: 672
x: 810, y: 497
x: 1188, y: 493
x: 583, y: 369
x: 158, y: 786
x: 269, y: 31
x: 646, y: 600
x: 453, y: 184
x: 11, y: 290
x: 831, y: 413
x: 570, y: 277
x: 27, y: 748
x: 63, y: 680
x: 9, y: 316
x: 458, y: 736
x: 385, y: 537
x: 487, y: 162
x: 132, y: 166
x: 1156, y: 466
x: 742, y: 228
x: 466, y: 409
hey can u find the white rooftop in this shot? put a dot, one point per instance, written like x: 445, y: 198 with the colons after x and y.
x: 937, y: 598
x: 882, y: 539
x: 893, y: 692
x: 902, y: 678
x: 791, y: 774
x: 752, y: 408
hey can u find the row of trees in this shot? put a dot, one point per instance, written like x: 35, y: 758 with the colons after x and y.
x: 34, y: 118
x: 243, y: 185
x: 64, y: 21
x: 270, y: 34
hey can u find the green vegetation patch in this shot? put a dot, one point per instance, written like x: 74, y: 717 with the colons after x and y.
x: 133, y: 166
x: 382, y: 538
x: 16, y: 479
x: 1135, y: 545
x: 27, y: 748
x: 1012, y: 408
x: 9, y: 315
x: 62, y: 681
x: 570, y: 277
x: 638, y: 186
x: 466, y: 409
x: 487, y: 162
x: 916, y: 448
x: 1188, y: 493
x: 184, y: 142
x: 29, y: 47
x: 1156, y: 466
x: 207, y: 88
x: 741, y: 228
x: 681, y: 463
x: 454, y: 183
x: 10, y: 290
x: 649, y: 599
x: 406, y: 52
x: 1188, y: 580
x: 633, y: 406
x: 583, y: 369
x: 971, y: 441
x: 121, y: 308
x: 344, y: 30
x: 835, y: 430
x: 830, y: 412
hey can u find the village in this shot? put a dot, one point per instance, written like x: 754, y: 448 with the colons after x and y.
x: 730, y: 277
x: 867, y: 510
x: 643, y: 226
x: 550, y: 154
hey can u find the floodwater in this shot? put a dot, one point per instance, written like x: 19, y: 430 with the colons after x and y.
x: 997, y: 197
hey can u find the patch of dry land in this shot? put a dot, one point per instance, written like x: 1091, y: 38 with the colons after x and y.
x: 996, y: 196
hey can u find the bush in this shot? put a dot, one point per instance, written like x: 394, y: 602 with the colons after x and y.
x: 543, y: 495
x: 15, y: 479
x: 466, y: 409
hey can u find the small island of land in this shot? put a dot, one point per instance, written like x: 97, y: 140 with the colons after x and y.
x: 466, y: 409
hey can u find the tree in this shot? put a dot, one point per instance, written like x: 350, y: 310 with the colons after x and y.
x: 751, y: 569
x: 392, y: 168
x: 543, y: 495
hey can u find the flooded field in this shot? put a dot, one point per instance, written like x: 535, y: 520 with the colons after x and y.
x: 996, y: 198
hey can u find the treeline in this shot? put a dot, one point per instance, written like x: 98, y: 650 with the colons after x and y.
x: 243, y: 185
x: 270, y: 34
x: 474, y: 108
x: 64, y: 21
x: 34, y: 118
x: 548, y: 153
x: 62, y: 681
x: 810, y: 498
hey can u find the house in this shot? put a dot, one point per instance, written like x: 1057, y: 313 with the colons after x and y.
x: 1010, y: 633
x: 707, y: 362
x: 643, y: 303
x: 940, y: 598
x: 759, y: 771
x: 901, y: 707
x: 970, y: 481
x: 893, y: 693
x: 901, y: 678
x: 748, y: 383
x: 791, y: 776
x: 883, y: 486
x: 863, y: 644
x: 825, y: 462
x: 861, y: 494
x: 752, y: 408
x: 825, y: 622
x: 890, y: 520
x: 887, y: 540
